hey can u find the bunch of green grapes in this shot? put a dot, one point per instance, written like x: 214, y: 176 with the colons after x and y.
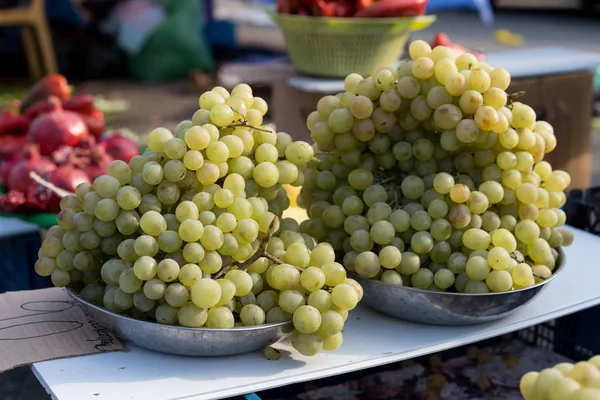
x: 431, y: 176
x: 564, y: 381
x: 190, y: 232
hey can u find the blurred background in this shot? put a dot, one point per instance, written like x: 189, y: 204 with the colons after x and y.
x: 159, y: 55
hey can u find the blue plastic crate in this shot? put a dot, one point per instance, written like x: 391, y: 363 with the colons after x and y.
x: 19, y: 254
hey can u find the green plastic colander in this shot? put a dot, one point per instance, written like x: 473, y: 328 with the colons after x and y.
x: 336, y: 47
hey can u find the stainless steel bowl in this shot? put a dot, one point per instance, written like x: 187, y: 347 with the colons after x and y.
x: 443, y: 308
x: 187, y: 341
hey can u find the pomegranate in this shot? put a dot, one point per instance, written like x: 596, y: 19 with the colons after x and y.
x: 17, y: 202
x: 94, y: 122
x: 50, y: 85
x: 66, y: 177
x: 19, y: 179
x: 120, y: 147
x: 57, y: 128
x: 7, y: 164
x: 97, y: 162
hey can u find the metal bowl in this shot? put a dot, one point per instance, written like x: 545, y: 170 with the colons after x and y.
x: 445, y: 308
x: 187, y: 341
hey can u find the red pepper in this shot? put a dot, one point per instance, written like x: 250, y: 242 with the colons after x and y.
x: 393, y: 8
x: 12, y: 124
x: 321, y: 8
x: 81, y: 103
x: 361, y: 4
x: 289, y: 6
x: 94, y: 122
x: 343, y: 9
x: 284, y: 6
x: 51, y: 85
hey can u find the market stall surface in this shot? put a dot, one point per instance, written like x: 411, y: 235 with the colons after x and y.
x: 370, y: 339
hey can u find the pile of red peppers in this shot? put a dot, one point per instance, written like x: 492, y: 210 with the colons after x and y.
x: 353, y: 8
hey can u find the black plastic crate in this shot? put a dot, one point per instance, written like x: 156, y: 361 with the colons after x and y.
x: 583, y: 209
x: 574, y: 336
x: 17, y: 260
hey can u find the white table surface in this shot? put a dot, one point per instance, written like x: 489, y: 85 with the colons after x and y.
x: 14, y: 227
x: 520, y: 63
x: 370, y: 339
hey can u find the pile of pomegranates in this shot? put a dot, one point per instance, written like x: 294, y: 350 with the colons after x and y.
x: 59, y: 136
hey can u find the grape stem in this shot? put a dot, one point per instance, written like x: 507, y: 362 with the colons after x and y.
x: 243, y: 122
x: 247, y: 125
x: 260, y: 252
x: 48, y: 185
x: 514, y: 96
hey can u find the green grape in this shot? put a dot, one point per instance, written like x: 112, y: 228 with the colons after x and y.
x: 129, y: 282
x: 83, y: 261
x: 206, y: 293
x: 344, y: 296
x: 476, y: 239
x: 476, y: 287
x: 245, y: 232
x: 145, y: 268
x: 444, y: 278
x: 422, y: 278
x: 498, y: 258
x: 477, y: 268
x: 499, y: 281
x: 251, y: 314
x: 212, y: 237
x: 169, y: 241
x: 71, y: 202
x: 522, y: 275
x: 412, y: 187
x: 284, y: 276
x: 527, y: 231
x: 107, y: 210
x: 382, y: 232
x: 312, y: 279
x: 320, y: 299
x: 167, y: 270
x: 189, y: 274
x: 154, y: 289
x: 360, y: 179
x: 242, y: 280
x: 290, y: 300
x: 168, y: 193
x: 265, y: 174
x: 142, y: 303
x: 107, y: 186
x: 153, y: 223
x: 276, y: 314
x: 390, y: 257
x: 157, y: 139
x: 306, y: 319
x: 335, y: 273
x: 307, y: 344
x: 129, y: 198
